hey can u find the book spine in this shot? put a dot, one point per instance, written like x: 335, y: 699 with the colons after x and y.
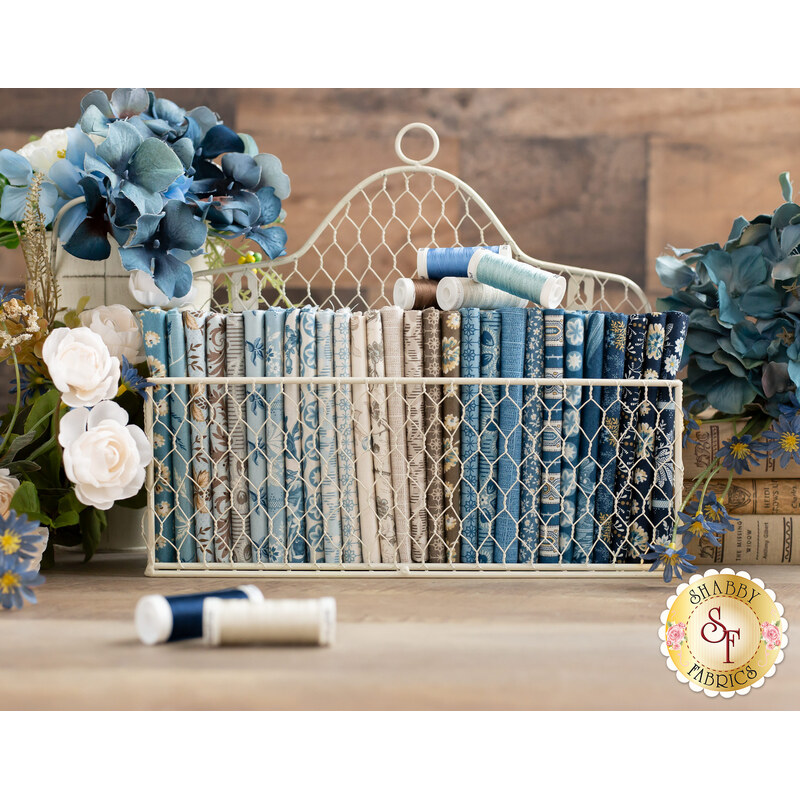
x: 763, y: 539
x: 761, y: 496
x: 705, y: 444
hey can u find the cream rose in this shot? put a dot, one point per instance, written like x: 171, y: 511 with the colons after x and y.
x: 8, y: 487
x: 103, y: 456
x: 81, y: 367
x: 146, y: 293
x: 118, y: 328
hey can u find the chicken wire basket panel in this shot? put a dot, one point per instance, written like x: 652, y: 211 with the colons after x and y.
x: 353, y: 259
x: 370, y: 239
x: 313, y: 529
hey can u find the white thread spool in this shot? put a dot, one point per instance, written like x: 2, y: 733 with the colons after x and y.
x: 237, y: 622
x: 453, y: 293
x: 523, y: 280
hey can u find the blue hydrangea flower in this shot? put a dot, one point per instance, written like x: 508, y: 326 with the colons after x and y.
x: 672, y: 559
x: 19, y: 536
x: 783, y: 441
x: 740, y: 453
x: 19, y: 174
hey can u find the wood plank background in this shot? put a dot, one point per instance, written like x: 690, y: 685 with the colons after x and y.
x: 603, y: 178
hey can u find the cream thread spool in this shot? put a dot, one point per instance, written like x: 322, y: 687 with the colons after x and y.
x: 443, y: 262
x: 453, y: 293
x: 522, y: 280
x: 276, y: 622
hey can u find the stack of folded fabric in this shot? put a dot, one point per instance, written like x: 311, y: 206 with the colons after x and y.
x: 364, y: 472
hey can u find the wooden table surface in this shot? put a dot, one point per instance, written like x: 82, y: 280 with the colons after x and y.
x: 401, y: 644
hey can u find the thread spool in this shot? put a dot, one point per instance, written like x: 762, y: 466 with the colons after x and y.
x: 415, y: 294
x: 455, y: 293
x: 160, y: 618
x: 443, y: 262
x: 238, y: 622
x: 522, y: 280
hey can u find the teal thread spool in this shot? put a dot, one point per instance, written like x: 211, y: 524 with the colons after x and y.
x: 453, y: 293
x: 540, y: 287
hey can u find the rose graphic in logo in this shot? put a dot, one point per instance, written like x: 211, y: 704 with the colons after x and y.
x: 770, y: 633
x: 675, y: 635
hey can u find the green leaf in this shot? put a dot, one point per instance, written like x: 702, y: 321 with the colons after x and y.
x: 21, y: 467
x: 69, y: 518
x: 26, y: 499
x: 786, y: 186
x: 93, y: 522
x: 42, y: 409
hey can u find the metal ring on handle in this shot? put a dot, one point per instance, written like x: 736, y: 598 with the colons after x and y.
x: 398, y: 148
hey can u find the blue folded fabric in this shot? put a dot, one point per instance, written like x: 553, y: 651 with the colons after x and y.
x: 640, y: 527
x: 154, y: 331
x: 613, y: 368
x: 663, y: 516
x: 489, y: 434
x: 256, y: 417
x: 309, y: 413
x: 470, y: 399
x: 182, y: 432
x: 293, y: 459
x: 574, y: 334
x: 530, y: 469
x: 626, y: 450
x: 329, y: 463
x: 550, y: 499
x: 275, y: 319
x: 512, y: 358
x: 591, y: 413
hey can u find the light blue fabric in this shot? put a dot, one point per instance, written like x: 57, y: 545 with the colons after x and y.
x: 613, y: 368
x: 574, y: 334
x: 293, y: 459
x: 470, y: 399
x: 589, y: 440
x: 550, y: 498
x: 329, y: 463
x: 663, y: 517
x: 489, y: 435
x: 309, y: 411
x: 276, y: 440
x: 154, y: 331
x: 256, y: 416
x: 531, y: 439
x: 182, y: 451
x: 512, y: 358
x: 351, y: 530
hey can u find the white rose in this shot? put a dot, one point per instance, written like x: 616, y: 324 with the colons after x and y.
x: 43, y: 153
x: 8, y: 486
x: 117, y: 327
x: 81, y: 367
x: 145, y: 292
x: 104, y: 457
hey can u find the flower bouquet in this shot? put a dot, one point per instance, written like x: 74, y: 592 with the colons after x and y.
x: 742, y: 357
x: 160, y: 184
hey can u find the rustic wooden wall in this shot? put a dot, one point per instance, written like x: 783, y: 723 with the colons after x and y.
x: 604, y: 178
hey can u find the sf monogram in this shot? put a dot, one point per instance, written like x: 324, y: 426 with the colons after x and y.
x: 726, y: 635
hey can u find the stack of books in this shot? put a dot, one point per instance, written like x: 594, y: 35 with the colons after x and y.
x: 764, y: 502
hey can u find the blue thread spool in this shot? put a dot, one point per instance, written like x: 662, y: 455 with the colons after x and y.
x: 444, y: 262
x: 170, y: 619
x: 514, y: 277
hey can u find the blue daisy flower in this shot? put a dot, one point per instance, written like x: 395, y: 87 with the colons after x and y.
x: 782, y: 441
x: 697, y: 526
x: 672, y: 559
x: 131, y: 381
x: 19, y: 536
x: 17, y: 582
x: 713, y: 510
x: 740, y: 453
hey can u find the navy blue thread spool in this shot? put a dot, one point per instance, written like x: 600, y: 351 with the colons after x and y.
x: 451, y: 262
x: 160, y: 618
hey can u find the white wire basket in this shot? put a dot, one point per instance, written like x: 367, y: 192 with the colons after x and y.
x: 352, y: 260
